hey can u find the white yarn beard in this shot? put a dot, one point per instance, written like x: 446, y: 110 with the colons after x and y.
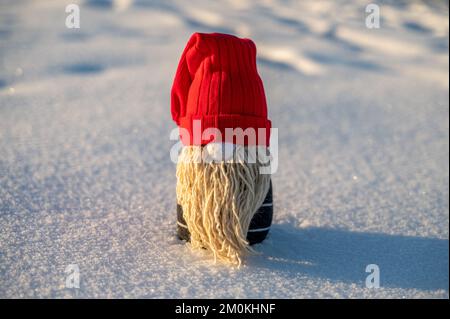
x: 219, y: 200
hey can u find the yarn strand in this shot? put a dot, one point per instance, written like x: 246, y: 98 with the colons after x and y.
x: 219, y: 200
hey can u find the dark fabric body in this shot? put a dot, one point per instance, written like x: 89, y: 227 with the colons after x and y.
x: 259, y: 226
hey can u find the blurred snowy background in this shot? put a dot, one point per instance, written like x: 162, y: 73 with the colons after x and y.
x: 85, y: 174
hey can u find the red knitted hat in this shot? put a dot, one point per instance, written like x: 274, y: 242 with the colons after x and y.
x: 217, y: 86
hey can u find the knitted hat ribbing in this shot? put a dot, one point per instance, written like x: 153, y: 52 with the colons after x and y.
x: 217, y: 83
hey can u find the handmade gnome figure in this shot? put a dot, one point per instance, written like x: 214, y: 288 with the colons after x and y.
x: 224, y: 191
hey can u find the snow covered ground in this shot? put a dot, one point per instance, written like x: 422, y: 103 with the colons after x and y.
x: 86, y: 179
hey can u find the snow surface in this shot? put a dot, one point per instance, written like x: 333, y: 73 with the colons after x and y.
x: 86, y: 178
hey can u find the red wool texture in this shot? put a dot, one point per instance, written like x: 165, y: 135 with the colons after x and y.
x: 217, y: 86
